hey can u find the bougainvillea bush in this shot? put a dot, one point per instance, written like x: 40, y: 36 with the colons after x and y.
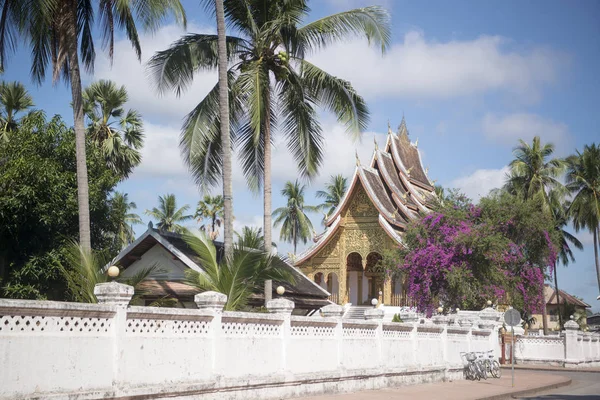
x: 462, y: 255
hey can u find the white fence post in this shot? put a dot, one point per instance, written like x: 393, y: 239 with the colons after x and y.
x: 215, y: 302
x: 285, y: 308
x: 118, y: 295
x: 336, y: 311
x: 572, y: 353
x: 377, y: 314
x: 443, y: 321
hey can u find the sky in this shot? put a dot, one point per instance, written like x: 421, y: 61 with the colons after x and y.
x: 470, y: 77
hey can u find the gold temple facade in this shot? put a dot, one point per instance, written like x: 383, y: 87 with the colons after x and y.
x: 370, y: 219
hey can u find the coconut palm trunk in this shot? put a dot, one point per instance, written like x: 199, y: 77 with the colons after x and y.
x: 225, y: 137
x: 596, y: 255
x: 267, y: 173
x: 79, y: 124
x: 557, y: 296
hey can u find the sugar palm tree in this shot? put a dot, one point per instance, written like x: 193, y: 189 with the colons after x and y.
x: 269, y: 77
x: 296, y: 225
x: 122, y: 207
x: 533, y: 175
x: 14, y: 98
x: 238, y: 277
x: 211, y: 208
x: 583, y: 182
x: 118, y: 132
x: 60, y: 34
x: 168, y: 215
x: 560, y: 216
x: 333, y: 193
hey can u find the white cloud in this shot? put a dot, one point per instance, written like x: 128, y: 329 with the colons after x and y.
x: 127, y: 70
x: 421, y: 68
x: 508, y: 129
x: 480, y: 182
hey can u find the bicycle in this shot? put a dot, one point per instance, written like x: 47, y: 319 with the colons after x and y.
x: 492, y: 365
x: 473, y: 370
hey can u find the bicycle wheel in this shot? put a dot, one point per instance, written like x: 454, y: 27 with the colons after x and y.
x: 483, y: 371
x: 496, y: 371
x: 474, y: 371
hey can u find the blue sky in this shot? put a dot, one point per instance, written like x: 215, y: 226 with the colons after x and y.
x: 470, y: 77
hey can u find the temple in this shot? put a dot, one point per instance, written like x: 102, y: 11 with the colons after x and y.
x: 371, y: 218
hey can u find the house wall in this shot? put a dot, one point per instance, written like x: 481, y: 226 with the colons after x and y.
x: 552, y: 318
x: 158, y: 255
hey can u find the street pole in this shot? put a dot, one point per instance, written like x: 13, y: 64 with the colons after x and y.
x: 512, y: 356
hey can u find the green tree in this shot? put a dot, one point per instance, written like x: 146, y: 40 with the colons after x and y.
x: 560, y: 216
x: 272, y: 43
x: 38, y: 206
x: 583, y: 182
x: 333, y: 193
x: 118, y: 133
x: 239, y: 277
x: 296, y: 225
x: 125, y: 219
x: 168, y: 215
x: 251, y: 237
x: 60, y: 34
x: 211, y: 208
x: 14, y: 98
x: 533, y: 174
x: 84, y: 269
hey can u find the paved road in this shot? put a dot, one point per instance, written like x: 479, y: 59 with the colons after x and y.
x: 585, y: 386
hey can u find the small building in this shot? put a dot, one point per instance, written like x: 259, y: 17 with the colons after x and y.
x: 552, y: 307
x: 173, y: 256
x: 383, y: 196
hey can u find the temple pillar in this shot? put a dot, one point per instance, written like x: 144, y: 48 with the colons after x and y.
x: 387, y: 292
x: 360, y: 289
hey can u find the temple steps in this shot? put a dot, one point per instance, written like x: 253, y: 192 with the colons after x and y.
x: 356, y: 312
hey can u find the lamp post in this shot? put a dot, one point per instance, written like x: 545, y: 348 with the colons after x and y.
x: 374, y: 302
x: 489, y: 303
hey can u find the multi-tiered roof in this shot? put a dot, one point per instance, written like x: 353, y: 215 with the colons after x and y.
x: 396, y: 184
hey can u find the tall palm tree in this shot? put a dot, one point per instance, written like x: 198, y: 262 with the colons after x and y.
x: 333, y: 193
x: 560, y: 216
x: 533, y: 175
x: 238, y: 277
x: 168, y: 215
x: 117, y: 132
x: 583, y: 182
x: 122, y: 207
x: 296, y: 224
x: 252, y: 237
x: 224, y: 128
x: 211, y: 208
x: 269, y: 77
x: 14, y: 98
x: 60, y: 32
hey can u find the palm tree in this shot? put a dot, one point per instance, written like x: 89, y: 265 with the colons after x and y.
x: 560, y: 216
x: 121, y: 206
x: 252, y: 237
x: 14, y: 98
x: 583, y: 181
x: 168, y: 215
x: 60, y: 32
x: 84, y: 269
x: 211, y: 208
x: 224, y: 130
x: 333, y: 193
x: 296, y: 224
x: 269, y: 77
x: 238, y: 277
x: 533, y: 175
x: 118, y: 133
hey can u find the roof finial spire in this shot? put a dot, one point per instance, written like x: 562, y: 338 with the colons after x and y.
x: 427, y: 170
x: 402, y: 130
x: 357, y: 159
x: 375, y: 141
x: 417, y: 143
x: 389, y: 127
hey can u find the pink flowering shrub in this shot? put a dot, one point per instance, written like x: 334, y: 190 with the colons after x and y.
x: 464, y: 255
